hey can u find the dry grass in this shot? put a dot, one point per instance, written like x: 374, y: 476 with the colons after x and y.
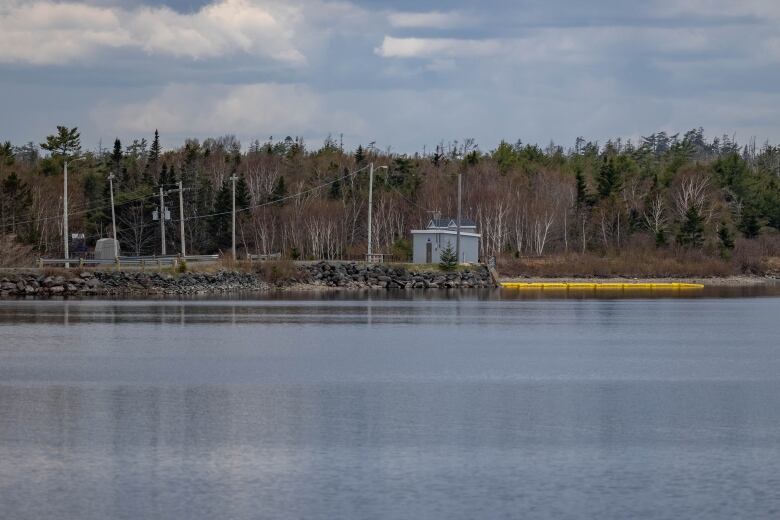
x: 635, y: 264
x: 279, y: 272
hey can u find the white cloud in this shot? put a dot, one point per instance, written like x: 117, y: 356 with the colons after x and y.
x: 431, y: 19
x: 436, y: 47
x: 718, y: 8
x: 47, y: 32
x: 259, y: 109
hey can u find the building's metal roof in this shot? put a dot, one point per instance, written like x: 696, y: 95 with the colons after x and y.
x: 444, y: 223
x: 445, y: 231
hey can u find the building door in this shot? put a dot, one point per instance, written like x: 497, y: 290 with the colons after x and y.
x: 428, y: 253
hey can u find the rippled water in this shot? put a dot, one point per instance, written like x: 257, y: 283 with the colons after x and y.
x: 473, y: 405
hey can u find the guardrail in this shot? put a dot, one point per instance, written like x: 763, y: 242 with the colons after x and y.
x: 265, y: 258
x: 129, y: 261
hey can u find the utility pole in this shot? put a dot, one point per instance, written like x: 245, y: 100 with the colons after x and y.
x: 162, y: 220
x: 65, y: 232
x: 457, y: 237
x: 65, y: 237
x: 370, y: 207
x: 369, y: 256
x: 113, y: 214
x: 233, y: 178
x: 181, y: 219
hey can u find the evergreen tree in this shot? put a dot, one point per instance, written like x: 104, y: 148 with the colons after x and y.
x: 660, y: 238
x: 220, y: 223
x: 116, y: 154
x: 65, y: 143
x: 448, y: 260
x: 583, y: 199
x: 167, y: 177
x: 98, y: 213
x: 335, y: 190
x: 608, y: 179
x: 243, y: 197
x: 147, y: 179
x: 155, y: 150
x: 726, y: 239
x: 15, y: 199
x: 7, y: 154
x: 692, y: 229
x: 360, y: 155
x: 749, y: 224
x: 279, y: 192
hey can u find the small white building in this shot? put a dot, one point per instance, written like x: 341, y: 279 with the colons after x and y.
x: 427, y: 244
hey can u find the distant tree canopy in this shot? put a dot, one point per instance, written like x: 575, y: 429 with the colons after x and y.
x: 680, y: 192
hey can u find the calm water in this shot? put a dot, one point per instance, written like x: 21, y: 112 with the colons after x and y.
x: 481, y: 405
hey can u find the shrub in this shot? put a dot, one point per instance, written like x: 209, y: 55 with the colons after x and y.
x: 448, y: 259
x: 279, y: 272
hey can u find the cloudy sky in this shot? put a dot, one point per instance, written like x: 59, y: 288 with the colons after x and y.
x: 402, y: 73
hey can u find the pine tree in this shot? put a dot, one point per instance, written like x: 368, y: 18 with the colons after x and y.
x: 15, y: 200
x: 155, y: 150
x: 660, y: 238
x: 66, y: 143
x: 335, y: 190
x: 98, y: 214
x: 279, y: 192
x: 167, y: 177
x: 692, y: 229
x: 7, y: 153
x: 726, y: 239
x: 583, y: 199
x: 220, y: 222
x: 116, y: 154
x: 448, y: 260
x: 243, y: 197
x: 609, y: 178
x: 360, y: 155
x: 749, y: 225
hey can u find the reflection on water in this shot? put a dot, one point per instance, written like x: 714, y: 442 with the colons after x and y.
x: 341, y: 405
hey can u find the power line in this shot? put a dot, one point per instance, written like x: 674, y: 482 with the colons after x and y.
x: 256, y: 206
x: 84, y: 211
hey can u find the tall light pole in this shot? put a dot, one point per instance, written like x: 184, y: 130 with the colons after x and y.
x: 113, y: 214
x: 233, y: 179
x: 65, y: 233
x: 369, y: 256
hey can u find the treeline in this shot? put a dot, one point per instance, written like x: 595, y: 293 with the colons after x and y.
x: 668, y: 193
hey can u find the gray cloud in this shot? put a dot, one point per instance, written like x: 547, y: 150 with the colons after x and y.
x: 403, y: 73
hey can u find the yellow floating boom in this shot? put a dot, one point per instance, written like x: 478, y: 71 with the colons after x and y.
x: 596, y: 286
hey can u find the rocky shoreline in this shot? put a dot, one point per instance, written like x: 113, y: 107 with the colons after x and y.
x: 319, y: 275
x: 351, y: 275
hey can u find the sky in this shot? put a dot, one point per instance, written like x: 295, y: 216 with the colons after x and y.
x: 404, y: 74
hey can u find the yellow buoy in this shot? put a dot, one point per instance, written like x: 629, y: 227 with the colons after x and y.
x: 603, y: 286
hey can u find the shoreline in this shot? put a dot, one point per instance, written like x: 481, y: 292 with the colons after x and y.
x: 321, y: 276
x: 719, y: 281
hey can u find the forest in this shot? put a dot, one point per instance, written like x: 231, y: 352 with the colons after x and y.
x: 667, y: 204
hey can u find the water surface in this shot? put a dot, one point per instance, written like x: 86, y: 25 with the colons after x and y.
x: 484, y: 404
